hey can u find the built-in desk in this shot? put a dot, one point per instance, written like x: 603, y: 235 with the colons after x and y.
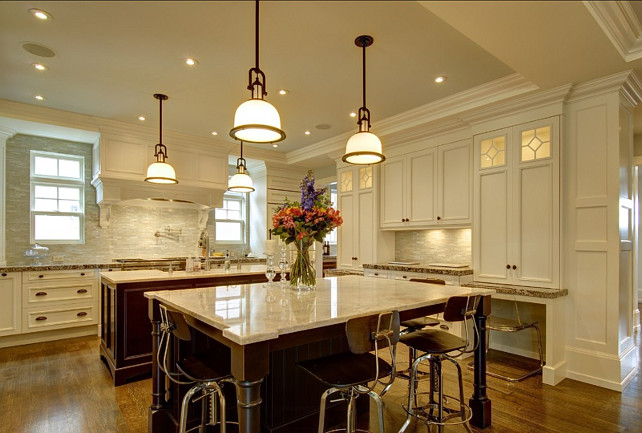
x: 554, y: 336
x: 273, y: 328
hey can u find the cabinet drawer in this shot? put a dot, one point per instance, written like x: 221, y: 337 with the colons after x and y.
x: 33, y: 276
x: 284, y: 183
x: 449, y: 279
x: 376, y: 273
x: 276, y: 196
x: 42, y: 319
x: 38, y: 294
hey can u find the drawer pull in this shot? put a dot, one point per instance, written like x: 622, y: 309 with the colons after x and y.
x: 82, y: 274
x: 81, y: 314
x: 41, y: 294
x: 81, y: 291
x: 4, y: 274
x: 41, y: 318
x: 41, y: 276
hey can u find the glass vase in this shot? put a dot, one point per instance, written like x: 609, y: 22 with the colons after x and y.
x: 302, y: 270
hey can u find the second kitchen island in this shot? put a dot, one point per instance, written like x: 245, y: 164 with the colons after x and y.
x: 126, y: 342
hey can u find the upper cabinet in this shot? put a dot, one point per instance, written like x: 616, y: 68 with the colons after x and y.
x: 516, y: 209
x: 427, y: 188
x: 359, y: 238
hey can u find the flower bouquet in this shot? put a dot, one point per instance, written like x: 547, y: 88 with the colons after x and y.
x: 303, y: 223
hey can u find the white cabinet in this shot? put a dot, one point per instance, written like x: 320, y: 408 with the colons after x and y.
x: 59, y: 299
x: 427, y: 188
x: 10, y: 303
x: 359, y: 238
x: 516, y: 211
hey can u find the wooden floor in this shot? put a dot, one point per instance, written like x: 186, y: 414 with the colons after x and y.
x: 63, y: 387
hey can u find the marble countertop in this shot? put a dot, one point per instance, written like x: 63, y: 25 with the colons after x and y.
x: 506, y: 289
x: 256, y: 312
x: 136, y: 276
x: 425, y: 268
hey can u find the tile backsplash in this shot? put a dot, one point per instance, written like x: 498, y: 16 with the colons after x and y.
x: 434, y: 246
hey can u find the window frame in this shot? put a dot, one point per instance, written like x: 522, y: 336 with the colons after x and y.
x: 239, y: 197
x: 58, y: 182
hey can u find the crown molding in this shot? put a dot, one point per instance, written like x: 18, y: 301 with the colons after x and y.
x: 620, y: 24
x: 413, y: 122
x: 627, y: 83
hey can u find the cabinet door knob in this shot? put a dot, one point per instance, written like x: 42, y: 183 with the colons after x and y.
x: 81, y: 314
x: 82, y: 274
x: 438, y: 218
x: 41, y: 276
x: 376, y: 274
x: 4, y: 274
x: 41, y: 318
x: 41, y: 294
x: 507, y: 266
x: 514, y: 267
x: 81, y: 291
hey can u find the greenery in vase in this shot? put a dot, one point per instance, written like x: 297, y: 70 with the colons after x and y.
x: 304, y: 222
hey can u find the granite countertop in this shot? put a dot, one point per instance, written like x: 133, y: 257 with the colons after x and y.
x: 342, y: 272
x: 267, y: 312
x: 114, y: 265
x: 135, y: 276
x: 425, y: 268
x: 507, y: 289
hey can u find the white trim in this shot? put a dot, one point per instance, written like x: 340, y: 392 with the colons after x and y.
x: 5, y: 134
x: 620, y: 24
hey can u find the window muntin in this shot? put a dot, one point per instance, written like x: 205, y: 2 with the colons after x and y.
x: 57, y: 198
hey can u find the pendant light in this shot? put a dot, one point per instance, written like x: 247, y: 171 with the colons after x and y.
x: 256, y: 120
x: 160, y: 171
x: 363, y: 147
x: 241, y: 181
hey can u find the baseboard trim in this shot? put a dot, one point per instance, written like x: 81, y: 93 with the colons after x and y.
x: 40, y: 337
x: 601, y: 369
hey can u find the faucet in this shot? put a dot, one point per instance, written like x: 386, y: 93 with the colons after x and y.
x: 204, y: 245
x: 238, y: 258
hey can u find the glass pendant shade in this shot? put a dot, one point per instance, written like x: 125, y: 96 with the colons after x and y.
x: 363, y: 148
x: 161, y: 172
x: 257, y: 121
x: 241, y: 182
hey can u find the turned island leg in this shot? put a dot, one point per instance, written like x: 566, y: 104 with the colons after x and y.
x: 479, y: 403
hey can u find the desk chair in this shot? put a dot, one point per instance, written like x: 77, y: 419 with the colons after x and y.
x: 205, y: 370
x: 351, y: 373
x: 437, y: 346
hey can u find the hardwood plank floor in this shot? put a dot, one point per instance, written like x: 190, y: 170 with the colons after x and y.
x: 63, y: 387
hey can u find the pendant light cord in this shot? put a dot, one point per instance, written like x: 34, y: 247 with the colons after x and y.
x: 160, y: 128
x: 256, y: 36
x: 364, y: 74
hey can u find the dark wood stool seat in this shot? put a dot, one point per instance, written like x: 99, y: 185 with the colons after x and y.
x: 347, y: 369
x: 433, y: 341
x: 205, y: 367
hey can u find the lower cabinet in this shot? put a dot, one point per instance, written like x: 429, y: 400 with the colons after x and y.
x: 126, y: 331
x: 10, y: 303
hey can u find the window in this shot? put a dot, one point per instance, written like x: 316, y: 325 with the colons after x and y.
x: 230, y: 220
x: 57, y: 198
x: 332, y: 236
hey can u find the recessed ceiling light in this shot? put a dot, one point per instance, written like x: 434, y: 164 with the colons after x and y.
x: 214, y: 133
x: 38, y: 50
x: 191, y: 62
x: 40, y: 67
x: 141, y: 118
x: 283, y: 92
x: 39, y: 97
x: 307, y: 132
x: 275, y: 145
x: 40, y: 14
x: 353, y: 114
x: 440, y: 79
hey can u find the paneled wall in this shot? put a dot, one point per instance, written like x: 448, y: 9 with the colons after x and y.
x: 132, y: 230
x: 434, y: 246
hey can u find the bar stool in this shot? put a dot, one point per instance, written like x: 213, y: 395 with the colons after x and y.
x: 350, y: 373
x: 437, y: 346
x: 413, y: 325
x: 503, y: 324
x: 205, y: 370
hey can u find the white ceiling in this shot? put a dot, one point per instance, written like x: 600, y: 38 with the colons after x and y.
x: 112, y: 56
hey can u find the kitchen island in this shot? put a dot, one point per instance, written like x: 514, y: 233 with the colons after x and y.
x: 126, y: 345
x: 267, y: 330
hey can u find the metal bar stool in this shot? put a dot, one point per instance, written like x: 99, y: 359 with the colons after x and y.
x: 503, y: 324
x: 350, y: 373
x: 207, y: 371
x: 437, y: 346
x: 413, y: 325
